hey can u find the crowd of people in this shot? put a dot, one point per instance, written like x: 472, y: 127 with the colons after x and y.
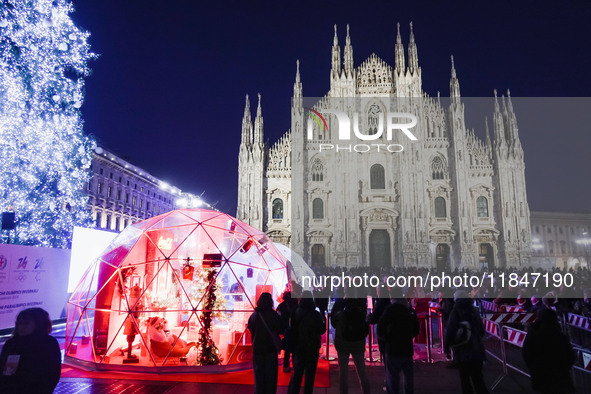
x: 547, y: 351
x: 30, y: 359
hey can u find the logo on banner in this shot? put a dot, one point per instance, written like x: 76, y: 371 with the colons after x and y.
x: 22, y: 263
x: 39, y: 263
x: 3, y: 262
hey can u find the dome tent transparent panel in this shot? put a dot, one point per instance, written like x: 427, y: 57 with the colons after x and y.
x: 175, y: 291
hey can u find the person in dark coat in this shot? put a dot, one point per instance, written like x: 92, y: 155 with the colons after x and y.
x: 285, y: 309
x: 470, y: 355
x: 397, y: 327
x: 345, y: 347
x: 264, y: 352
x: 307, y: 326
x: 30, y: 362
x: 380, y: 304
x: 548, y: 355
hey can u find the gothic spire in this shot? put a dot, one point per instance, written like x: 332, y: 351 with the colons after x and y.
x: 496, y: 101
x: 246, y: 124
x: 399, y: 51
x: 488, y: 143
x: 413, y: 57
x: 336, y: 56
x: 454, y: 84
x: 348, y: 55
x: 498, y: 123
x: 258, y: 125
x: 297, y: 88
x: 511, y: 120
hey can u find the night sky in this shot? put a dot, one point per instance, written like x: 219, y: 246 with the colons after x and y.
x: 167, y: 92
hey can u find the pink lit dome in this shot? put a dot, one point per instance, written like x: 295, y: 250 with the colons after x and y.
x: 172, y: 293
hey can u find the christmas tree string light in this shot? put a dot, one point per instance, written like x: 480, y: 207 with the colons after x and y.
x: 45, y: 155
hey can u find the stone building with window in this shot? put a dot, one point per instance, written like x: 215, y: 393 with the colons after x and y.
x: 121, y: 194
x: 450, y: 200
x: 561, y: 239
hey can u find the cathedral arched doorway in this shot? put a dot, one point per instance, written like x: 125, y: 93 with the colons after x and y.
x: 318, y: 256
x: 379, y: 249
x: 486, y: 256
x: 442, y: 262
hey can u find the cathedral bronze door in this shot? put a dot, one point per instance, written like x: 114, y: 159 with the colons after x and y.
x: 485, y: 256
x: 318, y: 256
x: 379, y: 249
x: 442, y: 258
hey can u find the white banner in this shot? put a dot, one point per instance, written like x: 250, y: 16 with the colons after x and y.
x: 32, y: 277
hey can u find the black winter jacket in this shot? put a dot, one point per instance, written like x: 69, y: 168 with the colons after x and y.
x: 39, y: 365
x: 463, y: 310
x: 262, y: 343
x: 397, y: 327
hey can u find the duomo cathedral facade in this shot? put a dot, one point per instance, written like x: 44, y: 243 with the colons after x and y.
x: 449, y: 199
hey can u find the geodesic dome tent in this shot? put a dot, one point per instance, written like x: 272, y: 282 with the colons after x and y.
x: 297, y: 268
x: 171, y: 292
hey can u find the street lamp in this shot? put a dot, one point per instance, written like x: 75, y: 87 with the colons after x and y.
x: 586, y: 242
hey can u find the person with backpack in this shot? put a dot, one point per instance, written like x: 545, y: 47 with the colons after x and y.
x: 397, y: 328
x: 307, y: 327
x: 464, y: 335
x: 348, y: 317
x: 265, y: 326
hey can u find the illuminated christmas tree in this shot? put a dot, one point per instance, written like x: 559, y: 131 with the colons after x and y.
x: 45, y: 155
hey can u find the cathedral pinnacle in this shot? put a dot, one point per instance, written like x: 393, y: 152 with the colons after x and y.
x: 399, y: 51
x: 454, y: 84
x: 247, y: 108
x: 413, y: 57
x: 509, y: 103
x: 258, y: 125
x: 335, y: 41
x: 336, y: 57
x: 247, y: 124
x: 348, y: 39
x: 496, y: 101
x: 297, y: 87
x: 348, y: 55
x: 259, y: 107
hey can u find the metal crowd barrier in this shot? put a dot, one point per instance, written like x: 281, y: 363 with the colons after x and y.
x: 582, y: 369
x: 502, y: 337
x: 509, y: 342
x: 579, y: 329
